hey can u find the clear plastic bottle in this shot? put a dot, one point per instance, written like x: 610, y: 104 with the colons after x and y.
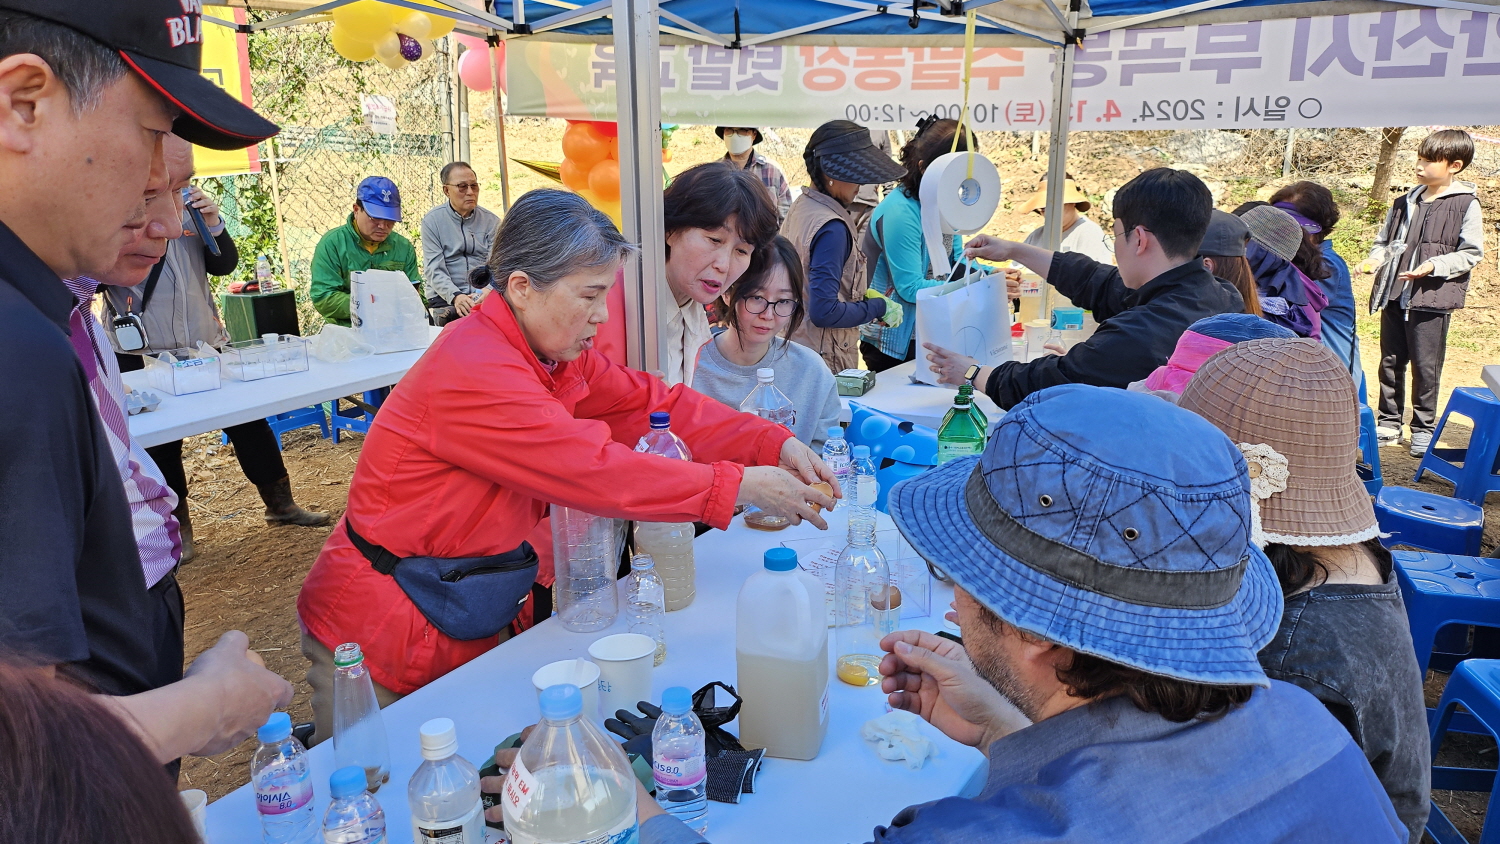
x: 960, y: 434
x: 585, y: 555
x: 570, y: 783
x: 979, y: 418
x: 646, y: 603
x: 443, y: 794
x: 864, y: 605
x: 866, y: 492
x: 265, y: 279
x: 358, y: 730
x: 353, y: 817
x: 767, y: 402
x: 670, y: 544
x: 781, y: 659
x: 283, y: 784
x: 680, y: 765
x: 836, y: 455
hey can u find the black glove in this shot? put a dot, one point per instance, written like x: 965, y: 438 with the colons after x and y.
x: 714, y: 718
x: 634, y: 729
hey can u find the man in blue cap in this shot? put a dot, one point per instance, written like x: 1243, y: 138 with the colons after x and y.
x: 367, y: 241
x: 1112, y: 605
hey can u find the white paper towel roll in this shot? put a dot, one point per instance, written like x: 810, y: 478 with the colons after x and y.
x: 953, y: 202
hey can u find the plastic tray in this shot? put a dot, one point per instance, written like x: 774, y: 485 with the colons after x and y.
x: 252, y: 360
x: 188, y: 371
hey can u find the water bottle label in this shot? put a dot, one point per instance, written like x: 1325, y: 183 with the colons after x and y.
x: 280, y: 797
x: 680, y: 773
x: 952, y: 450
x: 466, y: 830
x: 626, y: 833
x: 520, y: 785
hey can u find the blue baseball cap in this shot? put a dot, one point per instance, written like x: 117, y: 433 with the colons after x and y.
x: 1111, y: 523
x: 380, y: 198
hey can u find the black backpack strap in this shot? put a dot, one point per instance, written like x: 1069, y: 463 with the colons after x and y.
x: 380, y: 559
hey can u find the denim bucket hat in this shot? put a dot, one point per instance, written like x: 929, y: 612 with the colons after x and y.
x: 1111, y: 523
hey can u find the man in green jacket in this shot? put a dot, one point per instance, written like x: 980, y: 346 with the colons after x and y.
x: 368, y: 241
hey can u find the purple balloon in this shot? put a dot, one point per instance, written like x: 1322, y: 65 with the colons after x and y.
x: 411, y: 48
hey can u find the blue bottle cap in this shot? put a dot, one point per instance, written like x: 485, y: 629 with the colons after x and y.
x: 781, y: 559
x: 348, y: 781
x: 277, y: 728
x: 661, y: 419
x: 862, y: 452
x: 561, y: 702
x: 836, y: 432
x: 677, y: 701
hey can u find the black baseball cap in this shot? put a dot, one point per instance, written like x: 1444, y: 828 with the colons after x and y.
x: 162, y: 41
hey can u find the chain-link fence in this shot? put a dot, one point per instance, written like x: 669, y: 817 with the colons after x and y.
x: 326, y: 147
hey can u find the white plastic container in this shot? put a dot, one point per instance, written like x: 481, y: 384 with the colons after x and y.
x: 781, y: 655
x: 183, y: 371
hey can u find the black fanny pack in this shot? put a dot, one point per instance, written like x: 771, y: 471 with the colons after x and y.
x: 465, y: 598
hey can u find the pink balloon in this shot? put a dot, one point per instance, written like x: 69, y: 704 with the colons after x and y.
x: 473, y: 42
x: 474, y: 69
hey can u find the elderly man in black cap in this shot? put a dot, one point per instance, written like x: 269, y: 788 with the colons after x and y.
x: 840, y: 157
x: 89, y: 91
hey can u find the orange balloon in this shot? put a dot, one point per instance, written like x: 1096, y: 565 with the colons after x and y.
x: 604, y: 180
x: 574, y: 176
x: 583, y: 144
x: 614, y: 148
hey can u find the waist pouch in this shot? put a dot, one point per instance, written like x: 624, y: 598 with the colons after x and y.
x: 465, y: 598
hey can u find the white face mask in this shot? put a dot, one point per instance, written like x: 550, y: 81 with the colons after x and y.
x: 738, y: 144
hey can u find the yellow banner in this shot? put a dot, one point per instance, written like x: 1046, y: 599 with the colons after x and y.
x: 226, y: 63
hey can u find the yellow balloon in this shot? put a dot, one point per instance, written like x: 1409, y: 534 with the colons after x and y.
x: 351, y: 48
x: 394, y: 62
x: 387, y: 46
x: 414, y: 25
x: 612, y: 211
x: 365, y: 20
x: 440, y: 26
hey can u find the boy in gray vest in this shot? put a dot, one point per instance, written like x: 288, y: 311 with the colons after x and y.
x: 1432, y: 238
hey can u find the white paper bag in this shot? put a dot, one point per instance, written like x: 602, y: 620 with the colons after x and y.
x: 970, y: 318
x: 386, y: 311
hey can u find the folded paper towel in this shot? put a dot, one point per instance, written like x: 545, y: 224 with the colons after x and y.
x: 897, y: 736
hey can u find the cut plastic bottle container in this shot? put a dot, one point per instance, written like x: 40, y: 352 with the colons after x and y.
x: 865, y: 605
x: 781, y: 659
x: 282, y: 779
x: 670, y: 544
x: 443, y: 793
x: 679, y: 761
x: 836, y: 455
x: 585, y: 554
x: 358, y: 730
x: 353, y: 816
x: 570, y: 782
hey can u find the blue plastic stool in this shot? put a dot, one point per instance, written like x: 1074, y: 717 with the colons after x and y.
x: 1475, y: 685
x: 1441, y: 590
x: 356, y: 419
x: 1429, y: 522
x: 1471, y: 470
x: 292, y: 420
x: 1369, y: 451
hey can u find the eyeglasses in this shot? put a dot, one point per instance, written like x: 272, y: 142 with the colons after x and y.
x: 466, y: 187
x: 758, y: 304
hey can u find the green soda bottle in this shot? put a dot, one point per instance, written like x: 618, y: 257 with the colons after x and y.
x: 980, y: 419
x: 960, y: 434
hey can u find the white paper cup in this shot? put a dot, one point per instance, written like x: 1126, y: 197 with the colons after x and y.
x: 579, y: 672
x: 625, y: 661
x: 196, y: 801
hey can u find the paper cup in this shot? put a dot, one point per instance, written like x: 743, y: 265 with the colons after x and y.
x: 579, y: 672
x: 196, y: 801
x: 625, y: 661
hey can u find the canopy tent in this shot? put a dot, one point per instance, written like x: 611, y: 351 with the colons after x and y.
x: 637, y: 28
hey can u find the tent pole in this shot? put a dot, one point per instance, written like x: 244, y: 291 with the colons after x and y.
x: 286, y: 263
x: 637, y: 42
x: 1057, y: 146
x: 494, y: 50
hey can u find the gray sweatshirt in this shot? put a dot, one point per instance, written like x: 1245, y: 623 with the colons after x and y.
x: 454, y: 245
x: 800, y: 373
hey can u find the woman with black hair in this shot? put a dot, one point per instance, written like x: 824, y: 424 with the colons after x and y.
x: 839, y: 157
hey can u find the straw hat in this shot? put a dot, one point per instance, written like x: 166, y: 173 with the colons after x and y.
x: 1274, y: 229
x: 1290, y: 406
x: 1072, y: 195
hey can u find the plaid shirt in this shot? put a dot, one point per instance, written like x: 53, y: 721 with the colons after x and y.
x: 771, y: 176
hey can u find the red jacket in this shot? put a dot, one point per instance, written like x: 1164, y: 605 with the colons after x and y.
x: 468, y: 451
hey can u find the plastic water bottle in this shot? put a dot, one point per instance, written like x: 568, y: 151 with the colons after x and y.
x: 353, y: 817
x: 836, y: 455
x: 444, y: 792
x: 865, y: 489
x: 283, y: 784
x: 866, y: 605
x: 585, y: 555
x: 264, y: 278
x: 646, y: 603
x: 570, y: 782
x: 767, y: 402
x: 679, y: 762
x: 358, y: 730
x: 670, y: 544
x: 960, y: 434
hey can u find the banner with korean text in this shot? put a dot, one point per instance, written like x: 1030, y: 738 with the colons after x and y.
x: 1396, y: 68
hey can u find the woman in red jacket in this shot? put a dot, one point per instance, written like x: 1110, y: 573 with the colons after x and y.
x: 507, y: 411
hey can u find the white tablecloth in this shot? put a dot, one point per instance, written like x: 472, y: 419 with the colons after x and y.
x: 838, y: 797
x: 922, y: 404
x: 238, y: 402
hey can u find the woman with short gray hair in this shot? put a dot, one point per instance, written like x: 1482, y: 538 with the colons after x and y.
x: 509, y: 410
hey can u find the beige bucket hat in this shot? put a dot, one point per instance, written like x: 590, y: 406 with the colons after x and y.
x: 1290, y: 406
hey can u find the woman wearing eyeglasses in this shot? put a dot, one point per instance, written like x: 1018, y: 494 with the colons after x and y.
x: 764, y: 308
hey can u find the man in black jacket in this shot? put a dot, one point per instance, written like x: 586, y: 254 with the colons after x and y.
x: 1143, y: 306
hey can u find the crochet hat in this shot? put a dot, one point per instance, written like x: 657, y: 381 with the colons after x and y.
x: 1290, y: 406
x: 1274, y: 229
x: 846, y: 152
x: 1110, y: 523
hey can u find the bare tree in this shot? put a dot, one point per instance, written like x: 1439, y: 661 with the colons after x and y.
x: 1390, y: 139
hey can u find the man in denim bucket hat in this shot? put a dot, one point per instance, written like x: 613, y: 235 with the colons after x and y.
x: 1108, y: 590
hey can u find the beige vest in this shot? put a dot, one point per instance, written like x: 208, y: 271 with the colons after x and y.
x: 839, y: 347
